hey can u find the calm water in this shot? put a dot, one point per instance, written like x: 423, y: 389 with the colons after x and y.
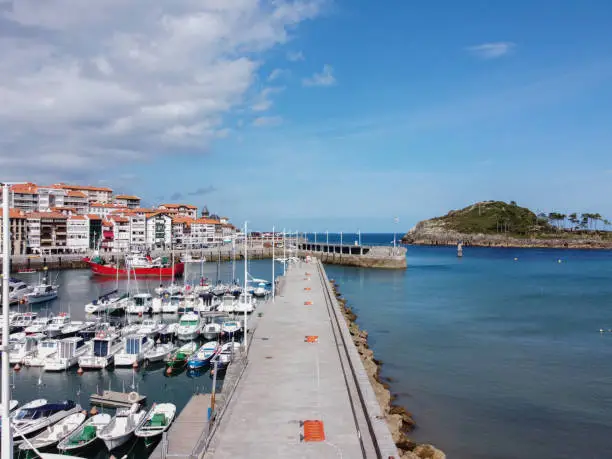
x: 496, y: 358
x: 78, y: 288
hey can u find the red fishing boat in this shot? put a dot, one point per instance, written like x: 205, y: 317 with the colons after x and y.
x: 139, y: 266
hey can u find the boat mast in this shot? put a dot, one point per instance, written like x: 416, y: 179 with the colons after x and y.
x: 233, y: 260
x: 284, y: 252
x: 273, y: 261
x: 246, y: 329
x: 7, y: 435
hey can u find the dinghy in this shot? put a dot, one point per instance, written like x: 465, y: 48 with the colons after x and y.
x: 156, y: 422
x: 202, y: 358
x: 178, y: 359
x: 55, y: 433
x: 159, y: 353
x: 122, y: 426
x: 86, y: 435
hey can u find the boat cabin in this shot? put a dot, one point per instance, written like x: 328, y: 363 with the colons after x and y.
x: 143, y: 299
x: 133, y: 344
x: 68, y: 346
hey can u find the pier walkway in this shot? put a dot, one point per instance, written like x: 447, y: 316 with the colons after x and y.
x: 302, y: 366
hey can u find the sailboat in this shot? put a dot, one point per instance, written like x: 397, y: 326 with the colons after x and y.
x: 43, y: 291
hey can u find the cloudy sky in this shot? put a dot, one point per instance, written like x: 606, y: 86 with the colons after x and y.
x: 312, y: 114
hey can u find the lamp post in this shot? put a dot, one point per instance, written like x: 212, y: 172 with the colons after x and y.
x: 273, y: 262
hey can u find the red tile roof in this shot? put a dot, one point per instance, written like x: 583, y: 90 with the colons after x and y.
x: 83, y: 187
x: 38, y: 215
x: 94, y: 217
x: 127, y: 196
x: 207, y: 221
x: 25, y: 188
x: 176, y: 206
x: 76, y: 194
x: 76, y: 217
x: 14, y: 213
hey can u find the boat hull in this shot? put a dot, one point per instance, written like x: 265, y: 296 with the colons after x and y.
x: 41, y: 298
x: 113, y: 271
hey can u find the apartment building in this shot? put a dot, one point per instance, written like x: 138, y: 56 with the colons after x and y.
x: 204, y: 232
x: 18, y: 231
x: 181, y: 232
x: 138, y: 231
x: 98, y: 194
x: 186, y: 210
x: 24, y: 197
x: 46, y: 233
x: 77, y: 200
x: 159, y: 230
x: 121, y: 233
x: 95, y: 230
x: 77, y: 227
x: 129, y: 201
x: 104, y: 210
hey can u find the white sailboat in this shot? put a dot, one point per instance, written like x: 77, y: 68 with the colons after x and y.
x: 42, y: 292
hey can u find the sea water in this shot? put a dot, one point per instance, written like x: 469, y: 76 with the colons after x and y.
x: 498, y: 355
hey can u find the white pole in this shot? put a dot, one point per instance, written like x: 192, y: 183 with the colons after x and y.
x: 359, y: 233
x: 284, y: 252
x: 7, y: 436
x: 315, y: 241
x: 246, y: 328
x: 327, y: 237
x: 273, y: 262
x: 340, y: 240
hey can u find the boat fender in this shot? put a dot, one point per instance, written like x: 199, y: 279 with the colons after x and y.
x: 133, y: 397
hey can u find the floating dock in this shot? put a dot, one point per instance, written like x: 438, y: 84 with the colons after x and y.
x: 304, y: 392
x: 115, y: 399
x: 187, y: 434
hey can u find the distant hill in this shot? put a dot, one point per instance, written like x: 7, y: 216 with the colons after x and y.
x: 497, y: 223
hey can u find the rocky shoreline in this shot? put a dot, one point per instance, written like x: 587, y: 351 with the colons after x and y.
x: 400, y: 420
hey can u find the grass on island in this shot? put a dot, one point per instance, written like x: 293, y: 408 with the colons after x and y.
x: 510, y: 219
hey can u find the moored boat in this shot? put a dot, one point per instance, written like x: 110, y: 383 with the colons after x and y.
x: 159, y: 352
x: 202, y: 357
x: 178, y: 359
x: 55, y: 433
x: 134, y: 348
x: 100, y: 269
x: 35, y: 416
x: 69, y: 350
x: 121, y: 427
x: 157, y: 421
x: 189, y: 327
x: 102, y: 352
x: 211, y: 330
x: 86, y: 435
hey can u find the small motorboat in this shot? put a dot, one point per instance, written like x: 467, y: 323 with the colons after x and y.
x: 151, y: 327
x: 42, y: 293
x: 39, y: 325
x: 189, y: 327
x: 230, y: 327
x: 109, y: 303
x: 102, y: 352
x: 172, y: 304
x: 221, y: 360
x: 24, y: 347
x: 37, y: 415
x: 178, y: 359
x: 141, y: 303
x: 171, y: 289
x: 246, y: 303
x: 44, y: 349
x: 156, y: 422
x: 57, y: 324
x: 17, y: 290
x: 202, y: 357
x: 122, y: 426
x: 260, y: 291
x: 211, y: 331
x: 86, y: 435
x: 55, y: 433
x: 159, y: 352
x: 228, y: 304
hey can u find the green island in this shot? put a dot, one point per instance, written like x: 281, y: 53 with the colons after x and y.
x: 501, y: 224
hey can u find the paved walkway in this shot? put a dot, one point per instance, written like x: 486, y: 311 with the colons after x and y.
x: 289, y: 380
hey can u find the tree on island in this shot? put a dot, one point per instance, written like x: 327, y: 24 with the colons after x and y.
x: 573, y: 218
x: 556, y: 219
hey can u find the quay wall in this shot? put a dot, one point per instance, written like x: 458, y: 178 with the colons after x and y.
x: 376, y: 257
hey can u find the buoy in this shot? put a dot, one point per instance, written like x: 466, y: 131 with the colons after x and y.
x: 515, y: 259
x: 80, y: 371
x: 169, y: 371
x: 17, y: 367
x: 140, y: 314
x: 93, y: 411
x: 559, y: 260
x: 135, y: 365
x: 133, y: 397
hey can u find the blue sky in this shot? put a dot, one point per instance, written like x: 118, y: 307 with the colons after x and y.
x: 316, y: 115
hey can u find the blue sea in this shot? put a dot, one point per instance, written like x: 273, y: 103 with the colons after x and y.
x: 498, y: 355
x: 496, y: 358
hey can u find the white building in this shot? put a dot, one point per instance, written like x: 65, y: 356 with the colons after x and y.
x: 186, y: 210
x: 159, y: 230
x: 138, y: 231
x: 77, y: 200
x: 181, y: 232
x: 121, y: 230
x: 78, y: 234
x: 24, y: 197
x: 104, y: 210
x: 129, y: 201
x: 18, y: 231
x: 204, y: 232
x: 94, y: 193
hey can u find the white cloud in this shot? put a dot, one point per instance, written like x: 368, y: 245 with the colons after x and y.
x: 266, y: 121
x: 277, y: 73
x: 492, y: 50
x: 262, y: 101
x: 89, y: 84
x: 295, y: 56
x: 324, y: 78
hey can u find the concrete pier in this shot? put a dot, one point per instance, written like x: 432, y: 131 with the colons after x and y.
x: 304, y: 392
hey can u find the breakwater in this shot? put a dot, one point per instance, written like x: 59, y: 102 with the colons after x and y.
x: 304, y: 390
x: 347, y: 255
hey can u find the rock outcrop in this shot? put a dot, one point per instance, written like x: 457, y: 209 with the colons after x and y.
x: 400, y: 420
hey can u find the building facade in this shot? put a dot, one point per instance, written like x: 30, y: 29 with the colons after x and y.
x: 186, y: 210
x: 18, y: 232
x: 47, y: 233
x: 98, y: 194
x: 125, y: 200
x: 77, y: 227
x: 159, y: 231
